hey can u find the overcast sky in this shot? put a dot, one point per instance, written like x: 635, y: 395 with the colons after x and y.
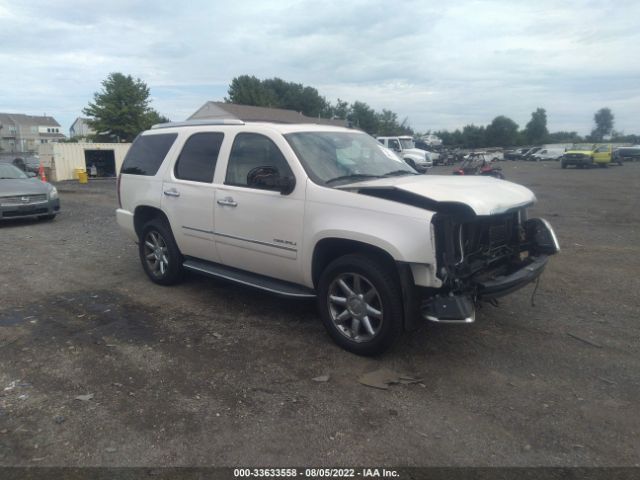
x: 441, y: 64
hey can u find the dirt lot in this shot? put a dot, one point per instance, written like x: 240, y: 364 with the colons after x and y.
x: 210, y: 373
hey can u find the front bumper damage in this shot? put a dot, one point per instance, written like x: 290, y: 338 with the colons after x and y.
x: 459, y: 307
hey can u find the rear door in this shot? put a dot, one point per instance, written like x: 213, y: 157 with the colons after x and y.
x: 188, y: 195
x: 258, y: 228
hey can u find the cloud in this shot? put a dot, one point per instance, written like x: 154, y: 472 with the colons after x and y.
x: 442, y: 65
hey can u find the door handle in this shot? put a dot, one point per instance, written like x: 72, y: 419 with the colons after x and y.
x: 172, y: 192
x: 228, y: 202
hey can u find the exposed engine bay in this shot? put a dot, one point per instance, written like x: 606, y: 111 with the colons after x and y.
x: 473, y: 250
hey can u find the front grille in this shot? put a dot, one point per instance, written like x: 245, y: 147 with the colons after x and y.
x: 23, y: 199
x: 574, y: 156
x: 23, y: 213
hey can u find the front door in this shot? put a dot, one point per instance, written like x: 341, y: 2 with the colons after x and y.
x: 189, y: 195
x: 258, y: 227
x: 602, y: 155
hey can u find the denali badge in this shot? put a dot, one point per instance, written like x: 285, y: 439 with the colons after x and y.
x: 285, y: 242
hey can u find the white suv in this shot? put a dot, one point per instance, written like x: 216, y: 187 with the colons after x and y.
x: 321, y: 211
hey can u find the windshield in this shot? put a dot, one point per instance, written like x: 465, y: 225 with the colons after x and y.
x: 582, y: 146
x: 345, y: 157
x: 9, y: 172
x: 407, y: 143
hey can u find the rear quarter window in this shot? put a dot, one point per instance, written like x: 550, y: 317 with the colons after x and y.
x: 147, y: 154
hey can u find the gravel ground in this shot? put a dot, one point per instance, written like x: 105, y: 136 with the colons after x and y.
x: 102, y: 367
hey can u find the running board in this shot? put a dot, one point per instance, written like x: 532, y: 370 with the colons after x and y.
x: 262, y: 282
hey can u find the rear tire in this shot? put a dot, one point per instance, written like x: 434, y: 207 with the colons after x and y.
x: 159, y: 254
x: 360, y: 302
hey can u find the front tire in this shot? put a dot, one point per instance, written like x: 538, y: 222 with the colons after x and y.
x: 159, y: 254
x: 360, y: 302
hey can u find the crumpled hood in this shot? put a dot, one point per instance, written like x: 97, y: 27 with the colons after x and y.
x: 484, y: 195
x: 22, y: 186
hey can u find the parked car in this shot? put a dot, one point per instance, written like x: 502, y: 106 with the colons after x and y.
x: 477, y: 164
x: 515, y: 154
x: 494, y: 155
x: 26, y: 164
x: 529, y: 153
x: 588, y: 155
x: 321, y: 211
x: 626, y: 154
x: 22, y: 195
x: 405, y: 148
x: 548, y: 154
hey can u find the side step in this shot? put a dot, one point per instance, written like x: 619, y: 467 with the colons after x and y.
x: 262, y: 282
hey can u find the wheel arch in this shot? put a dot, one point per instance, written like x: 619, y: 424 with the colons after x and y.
x: 328, y: 249
x: 144, y: 214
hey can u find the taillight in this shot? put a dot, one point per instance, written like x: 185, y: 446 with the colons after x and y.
x: 118, y: 189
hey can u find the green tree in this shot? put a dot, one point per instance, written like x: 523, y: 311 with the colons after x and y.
x: 249, y: 90
x: 388, y: 124
x: 121, y: 109
x: 276, y: 93
x: 564, y: 137
x: 604, y: 124
x: 536, y: 130
x: 153, y: 117
x: 339, y: 110
x: 473, y: 136
x: 363, y: 117
x: 502, y: 132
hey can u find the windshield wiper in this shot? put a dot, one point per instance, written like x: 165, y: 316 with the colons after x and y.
x: 353, y: 176
x: 395, y: 173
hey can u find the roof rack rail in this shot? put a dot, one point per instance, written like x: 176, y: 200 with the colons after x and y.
x: 199, y: 122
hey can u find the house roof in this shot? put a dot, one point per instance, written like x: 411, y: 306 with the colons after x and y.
x: 250, y: 113
x: 80, y: 121
x: 27, y: 120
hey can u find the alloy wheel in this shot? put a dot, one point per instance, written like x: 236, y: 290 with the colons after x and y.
x: 156, y: 254
x: 355, y: 307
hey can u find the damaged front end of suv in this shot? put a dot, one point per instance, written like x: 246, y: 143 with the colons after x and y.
x: 481, y: 258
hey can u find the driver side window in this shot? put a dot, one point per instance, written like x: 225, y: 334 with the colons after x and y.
x: 394, y: 145
x: 251, y: 153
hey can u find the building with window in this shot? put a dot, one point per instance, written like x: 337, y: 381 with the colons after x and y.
x: 80, y: 129
x: 20, y: 133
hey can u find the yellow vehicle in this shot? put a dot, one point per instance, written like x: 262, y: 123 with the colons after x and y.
x: 588, y: 155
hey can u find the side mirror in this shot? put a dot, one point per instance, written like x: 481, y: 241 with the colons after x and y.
x: 30, y: 174
x: 268, y: 178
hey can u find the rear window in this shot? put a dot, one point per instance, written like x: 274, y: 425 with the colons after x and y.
x: 147, y: 153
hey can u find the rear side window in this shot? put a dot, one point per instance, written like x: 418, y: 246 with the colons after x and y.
x: 198, y: 158
x: 147, y: 154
